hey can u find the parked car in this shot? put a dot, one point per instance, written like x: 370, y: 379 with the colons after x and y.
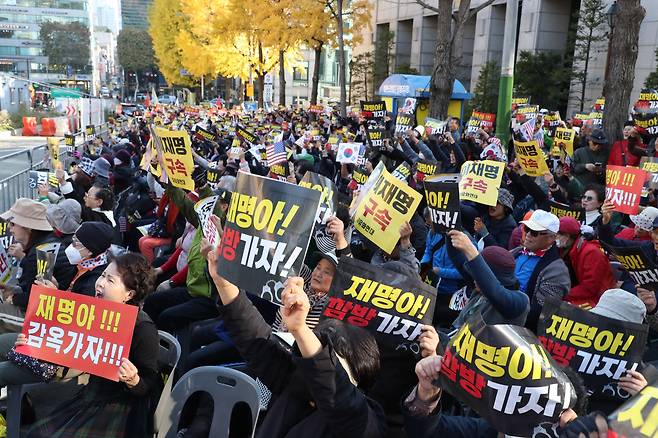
x: 167, y: 99
x: 130, y: 108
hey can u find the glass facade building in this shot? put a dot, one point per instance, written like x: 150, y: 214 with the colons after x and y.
x: 134, y: 13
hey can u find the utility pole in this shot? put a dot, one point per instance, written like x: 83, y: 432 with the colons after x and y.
x: 507, y: 72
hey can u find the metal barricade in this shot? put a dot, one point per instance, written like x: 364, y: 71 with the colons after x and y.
x: 17, y: 185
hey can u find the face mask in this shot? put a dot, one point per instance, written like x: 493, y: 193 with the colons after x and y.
x: 561, y: 243
x: 73, y: 255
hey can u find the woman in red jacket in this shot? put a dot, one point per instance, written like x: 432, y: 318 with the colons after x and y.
x: 589, y: 268
x: 630, y: 150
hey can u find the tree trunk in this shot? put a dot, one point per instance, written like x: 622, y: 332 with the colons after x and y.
x: 443, y: 74
x: 282, y: 79
x: 136, y: 87
x: 261, y: 76
x: 341, y: 59
x: 623, y: 55
x: 584, y: 79
x: 315, y: 80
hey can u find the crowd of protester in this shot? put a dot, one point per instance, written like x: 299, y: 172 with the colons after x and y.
x: 128, y: 238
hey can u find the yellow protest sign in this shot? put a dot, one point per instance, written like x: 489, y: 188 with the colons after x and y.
x: 53, y: 150
x: 480, y: 181
x: 530, y: 157
x: 177, y: 157
x: 384, y: 208
x: 564, y: 140
x: 148, y: 161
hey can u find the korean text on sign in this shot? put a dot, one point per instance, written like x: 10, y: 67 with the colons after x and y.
x: 384, y: 209
x: 480, y: 181
x: 530, y: 157
x: 623, y: 186
x: 177, y: 157
x: 77, y: 331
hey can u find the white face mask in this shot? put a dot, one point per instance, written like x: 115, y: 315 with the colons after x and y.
x: 73, y: 255
x: 561, y: 242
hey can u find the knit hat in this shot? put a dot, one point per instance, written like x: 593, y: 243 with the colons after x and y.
x: 65, y: 216
x: 622, y: 305
x: 569, y: 225
x: 28, y: 214
x: 645, y: 219
x: 506, y: 198
x: 502, y: 264
x: 101, y: 168
x: 123, y: 156
x: 95, y: 236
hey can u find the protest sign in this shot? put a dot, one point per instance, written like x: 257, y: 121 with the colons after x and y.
x: 523, y: 113
x: 376, y: 136
x: 480, y: 181
x: 596, y: 117
x: 5, y: 266
x: 279, y: 172
x: 504, y: 374
x: 69, y: 142
x: 480, y: 120
x: 516, y: 101
x: 375, y: 110
x: 204, y: 209
x: 390, y: 305
x: 359, y: 177
x: 384, y: 209
x: 328, y: 205
x: 177, y: 157
x: 6, y: 238
x: 247, y: 136
x: 266, y: 235
x: 403, y: 123
x: 349, y: 153
x: 409, y: 106
x: 426, y: 168
x: 46, y: 257
x: 53, y: 151
x: 645, y: 111
x: 552, y: 121
x: 79, y: 332
x: 639, y: 265
x: 90, y: 130
x: 434, y: 126
x: 445, y: 177
x: 204, y: 134
x: 213, y: 176
x: 530, y: 157
x: 402, y: 172
x: 638, y: 417
x: 443, y: 203
x: 317, y: 109
x: 37, y: 177
x: 623, y: 186
x: 599, y: 348
x: 564, y: 210
x: 564, y: 140
x: 650, y: 165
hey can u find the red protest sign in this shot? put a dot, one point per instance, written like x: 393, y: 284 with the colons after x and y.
x: 623, y: 186
x: 76, y: 331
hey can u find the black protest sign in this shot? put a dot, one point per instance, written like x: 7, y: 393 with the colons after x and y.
x: 402, y: 172
x: 650, y: 165
x: 504, y: 374
x: 434, y: 126
x: 375, y: 110
x: 640, y: 267
x: 69, y: 142
x: 638, y: 417
x: 391, y: 305
x: 443, y: 203
x: 204, y: 134
x: 600, y: 349
x: 403, y: 123
x: 6, y: 238
x: 46, y: 257
x: 213, y: 176
x: 645, y: 111
x: 90, y: 130
x: 564, y: 210
x: 328, y: 205
x: 376, y: 135
x: 426, y: 168
x: 359, y: 177
x: 36, y: 177
x: 268, y: 227
x: 279, y: 172
x: 242, y: 132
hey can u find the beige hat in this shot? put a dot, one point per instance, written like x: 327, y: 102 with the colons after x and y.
x: 28, y: 214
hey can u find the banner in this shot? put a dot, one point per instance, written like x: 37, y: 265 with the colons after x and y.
x: 203, y: 134
x: 504, y: 374
x: 598, y: 348
x: 443, y: 203
x: 650, y: 165
x: 384, y: 208
x: 480, y: 181
x: 530, y: 157
x: 564, y: 210
x: 266, y: 235
x: 637, y: 417
x: 426, y: 168
x: 623, y: 186
x: 177, y: 157
x: 37, y: 177
x: 434, y: 126
x: 373, y: 110
x: 53, y: 151
x: 242, y: 132
x: 204, y: 209
x: 46, y: 257
x: 349, y: 153
x: 639, y: 266
x: 390, y: 305
x: 564, y: 140
x: 403, y: 123
x: 76, y: 331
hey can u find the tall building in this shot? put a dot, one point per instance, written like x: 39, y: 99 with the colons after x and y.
x: 134, y: 13
x: 21, y: 50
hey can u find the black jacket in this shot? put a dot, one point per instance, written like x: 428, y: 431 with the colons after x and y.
x: 86, y: 283
x: 314, y: 396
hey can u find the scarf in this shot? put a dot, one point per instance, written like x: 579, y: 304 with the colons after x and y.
x: 538, y: 253
x: 88, y: 265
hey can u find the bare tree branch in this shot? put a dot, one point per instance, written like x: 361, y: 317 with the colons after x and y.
x: 474, y: 11
x: 426, y: 6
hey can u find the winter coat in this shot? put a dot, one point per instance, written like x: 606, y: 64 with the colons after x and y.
x: 590, y: 272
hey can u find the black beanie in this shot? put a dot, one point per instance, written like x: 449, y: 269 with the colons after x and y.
x: 95, y: 236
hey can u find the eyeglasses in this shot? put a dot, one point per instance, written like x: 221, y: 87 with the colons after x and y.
x: 534, y: 233
x: 587, y: 198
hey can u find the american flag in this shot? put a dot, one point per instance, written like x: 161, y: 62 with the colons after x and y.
x: 528, y: 129
x: 276, y: 153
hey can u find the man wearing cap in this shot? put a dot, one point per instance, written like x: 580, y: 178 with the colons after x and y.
x: 589, y: 267
x: 539, y: 268
x: 643, y: 225
x: 496, y: 227
x: 589, y: 163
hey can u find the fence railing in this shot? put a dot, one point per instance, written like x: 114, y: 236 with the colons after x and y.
x: 17, y: 185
